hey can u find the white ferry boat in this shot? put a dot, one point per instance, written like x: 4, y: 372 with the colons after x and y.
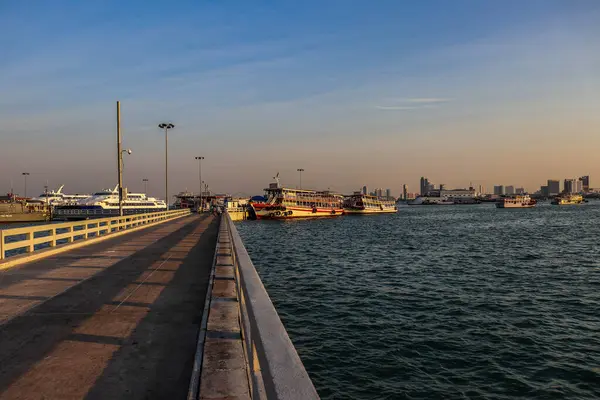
x: 57, y: 198
x: 284, y: 203
x: 360, y: 203
x: 518, y: 201
x: 106, y: 204
x: 430, y: 201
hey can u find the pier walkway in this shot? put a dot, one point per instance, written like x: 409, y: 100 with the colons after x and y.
x: 112, y: 320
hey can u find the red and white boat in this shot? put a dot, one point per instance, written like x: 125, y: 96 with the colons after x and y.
x: 284, y: 203
x: 518, y: 201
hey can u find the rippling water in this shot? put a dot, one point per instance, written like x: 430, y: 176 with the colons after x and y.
x: 440, y: 302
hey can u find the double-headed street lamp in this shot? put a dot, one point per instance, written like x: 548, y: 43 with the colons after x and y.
x: 300, y: 170
x: 200, y: 158
x: 25, y: 175
x: 166, y: 126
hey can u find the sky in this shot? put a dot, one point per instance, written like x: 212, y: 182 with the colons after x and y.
x: 375, y: 93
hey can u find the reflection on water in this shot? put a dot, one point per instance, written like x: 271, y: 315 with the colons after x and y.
x: 440, y: 302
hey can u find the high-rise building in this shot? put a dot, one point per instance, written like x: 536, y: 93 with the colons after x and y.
x: 388, y: 193
x: 509, y: 190
x: 544, y: 191
x: 480, y: 190
x: 365, y: 190
x: 499, y: 190
x: 585, y: 180
x: 379, y: 192
x: 520, y: 190
x: 404, y: 192
x: 570, y: 186
x: 424, y: 186
x: 579, y: 186
x: 553, y: 187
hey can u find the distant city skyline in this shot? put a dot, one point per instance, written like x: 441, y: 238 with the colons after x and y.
x: 355, y: 93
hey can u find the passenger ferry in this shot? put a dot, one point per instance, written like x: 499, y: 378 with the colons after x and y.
x: 57, y: 198
x: 106, y: 204
x: 518, y: 201
x: 284, y: 203
x: 430, y: 201
x: 568, y: 199
x: 360, y: 203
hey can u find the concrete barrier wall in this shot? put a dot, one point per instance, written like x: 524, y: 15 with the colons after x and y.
x: 275, y: 369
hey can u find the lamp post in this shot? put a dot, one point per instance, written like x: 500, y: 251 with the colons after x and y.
x: 300, y: 170
x: 166, y: 127
x: 25, y: 175
x: 145, y: 186
x: 200, y: 158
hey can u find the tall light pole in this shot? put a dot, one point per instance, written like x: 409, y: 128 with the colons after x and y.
x: 300, y: 170
x: 166, y: 127
x: 200, y: 158
x: 145, y: 186
x: 25, y: 175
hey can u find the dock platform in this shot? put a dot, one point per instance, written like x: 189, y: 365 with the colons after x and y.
x: 117, y: 319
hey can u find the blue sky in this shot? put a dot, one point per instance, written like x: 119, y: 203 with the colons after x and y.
x: 355, y: 92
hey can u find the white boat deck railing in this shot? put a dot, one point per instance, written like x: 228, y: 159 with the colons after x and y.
x: 275, y: 369
x: 51, y: 235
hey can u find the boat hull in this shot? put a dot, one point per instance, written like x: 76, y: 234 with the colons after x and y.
x: 24, y: 217
x: 295, y: 212
x: 502, y: 205
x: 350, y: 211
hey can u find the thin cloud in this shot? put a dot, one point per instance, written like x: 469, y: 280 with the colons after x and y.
x: 396, y: 108
x: 414, y: 103
x: 427, y: 100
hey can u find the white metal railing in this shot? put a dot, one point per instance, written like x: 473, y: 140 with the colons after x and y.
x: 50, y: 234
x: 275, y: 369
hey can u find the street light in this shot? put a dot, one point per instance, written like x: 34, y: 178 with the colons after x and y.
x: 200, y: 158
x: 300, y: 170
x: 145, y: 186
x: 25, y: 175
x: 166, y: 127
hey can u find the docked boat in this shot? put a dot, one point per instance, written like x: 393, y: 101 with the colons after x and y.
x: 106, y: 204
x: 430, y: 201
x: 360, y: 203
x: 236, y: 208
x: 284, y: 203
x: 58, y: 198
x: 518, y: 201
x: 568, y: 199
x: 12, y: 210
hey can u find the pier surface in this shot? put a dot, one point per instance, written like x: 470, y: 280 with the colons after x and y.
x: 113, y: 320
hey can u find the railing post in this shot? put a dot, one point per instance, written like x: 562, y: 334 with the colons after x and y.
x: 1, y: 244
x: 70, y: 231
x: 30, y: 246
x: 53, y: 234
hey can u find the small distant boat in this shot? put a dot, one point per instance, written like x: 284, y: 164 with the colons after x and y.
x: 360, y: 203
x: 568, y: 199
x: 518, y: 201
x: 430, y: 201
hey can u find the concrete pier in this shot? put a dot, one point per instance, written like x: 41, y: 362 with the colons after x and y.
x: 117, y: 319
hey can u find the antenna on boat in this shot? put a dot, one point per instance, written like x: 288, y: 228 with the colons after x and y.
x: 276, y: 177
x: 59, y: 189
